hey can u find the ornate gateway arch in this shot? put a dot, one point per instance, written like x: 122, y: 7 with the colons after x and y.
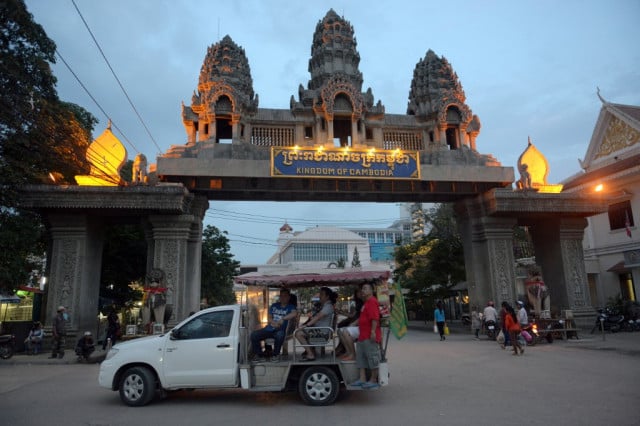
x: 334, y: 143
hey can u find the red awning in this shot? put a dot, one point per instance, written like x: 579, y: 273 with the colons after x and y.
x: 619, y: 268
x: 313, y: 280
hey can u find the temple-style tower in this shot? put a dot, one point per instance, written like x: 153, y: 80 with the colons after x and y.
x: 225, y: 93
x: 332, y: 111
x: 436, y: 95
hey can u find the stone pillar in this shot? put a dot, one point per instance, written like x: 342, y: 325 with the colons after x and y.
x: 355, y: 139
x: 199, y: 206
x: 472, y: 139
x: 74, y: 275
x: 330, y: 132
x: 191, y: 131
x: 558, y: 249
x: 488, y: 253
x: 235, y: 128
x: 463, y: 137
x: 442, y: 131
x: 170, y: 236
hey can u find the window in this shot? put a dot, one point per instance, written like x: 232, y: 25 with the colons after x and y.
x: 619, y: 215
x: 213, y: 324
x: 308, y: 252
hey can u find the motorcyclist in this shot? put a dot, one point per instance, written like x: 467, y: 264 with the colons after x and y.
x: 85, y: 346
x: 489, y: 314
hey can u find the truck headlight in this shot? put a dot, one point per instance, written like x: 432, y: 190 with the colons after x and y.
x: 112, y: 352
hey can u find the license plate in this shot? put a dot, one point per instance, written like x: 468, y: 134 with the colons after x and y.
x: 491, y: 327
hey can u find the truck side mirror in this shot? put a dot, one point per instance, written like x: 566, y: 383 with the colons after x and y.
x: 175, y: 334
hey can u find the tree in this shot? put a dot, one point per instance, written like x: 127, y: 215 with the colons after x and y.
x: 39, y: 134
x: 431, y: 265
x: 218, y: 267
x: 355, y: 262
x: 124, y: 262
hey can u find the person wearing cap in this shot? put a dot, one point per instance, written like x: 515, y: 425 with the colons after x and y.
x: 85, y: 346
x: 523, y: 319
x: 59, y: 330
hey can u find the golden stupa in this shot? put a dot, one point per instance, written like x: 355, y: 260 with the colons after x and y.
x: 534, y: 168
x: 107, y: 155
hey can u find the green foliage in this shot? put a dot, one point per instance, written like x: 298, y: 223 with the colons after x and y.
x: 355, y: 262
x: 124, y: 262
x: 20, y: 241
x: 39, y: 135
x: 218, y: 267
x: 431, y: 265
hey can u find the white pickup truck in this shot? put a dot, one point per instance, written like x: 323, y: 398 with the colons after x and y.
x: 209, y: 350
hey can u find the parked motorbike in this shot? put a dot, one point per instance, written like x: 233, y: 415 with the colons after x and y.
x: 530, y: 334
x: 7, y: 345
x: 491, y: 329
x: 609, y: 320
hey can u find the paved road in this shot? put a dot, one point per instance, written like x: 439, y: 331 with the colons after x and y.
x: 457, y: 382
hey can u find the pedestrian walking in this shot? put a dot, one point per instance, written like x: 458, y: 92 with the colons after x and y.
x: 59, y: 330
x: 438, y: 315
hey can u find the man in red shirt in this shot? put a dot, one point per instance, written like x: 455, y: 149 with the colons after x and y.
x: 368, y: 349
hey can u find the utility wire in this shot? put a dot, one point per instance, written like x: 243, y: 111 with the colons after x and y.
x: 95, y: 101
x: 233, y: 215
x: 116, y: 77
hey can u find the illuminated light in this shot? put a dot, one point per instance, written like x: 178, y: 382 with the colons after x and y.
x: 215, y: 184
x: 296, y: 147
x: 52, y: 177
x: 372, y: 150
x: 320, y: 148
x: 106, y: 155
x: 599, y: 187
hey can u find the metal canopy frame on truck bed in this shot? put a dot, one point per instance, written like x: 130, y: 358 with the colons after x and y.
x: 326, y: 278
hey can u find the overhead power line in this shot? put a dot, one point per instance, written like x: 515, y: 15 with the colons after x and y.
x: 117, y: 79
x: 253, y: 218
x: 95, y: 101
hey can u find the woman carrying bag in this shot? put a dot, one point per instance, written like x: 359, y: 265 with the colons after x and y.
x: 438, y: 315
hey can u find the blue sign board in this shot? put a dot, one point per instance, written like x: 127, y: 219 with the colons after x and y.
x: 344, y: 163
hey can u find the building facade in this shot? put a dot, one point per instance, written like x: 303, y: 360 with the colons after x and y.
x: 611, y: 167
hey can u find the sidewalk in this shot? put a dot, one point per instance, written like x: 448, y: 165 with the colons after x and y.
x: 622, y: 342
x: 43, y: 358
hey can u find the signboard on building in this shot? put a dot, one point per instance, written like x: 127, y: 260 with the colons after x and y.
x: 344, y: 163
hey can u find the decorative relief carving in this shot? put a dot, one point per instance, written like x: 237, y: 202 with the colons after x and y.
x: 170, y: 255
x: 574, y: 272
x: 341, y: 84
x: 501, y: 268
x: 619, y: 135
x: 69, y: 255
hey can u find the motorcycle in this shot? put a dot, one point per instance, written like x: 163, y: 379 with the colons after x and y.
x: 7, y: 345
x: 608, y: 320
x: 530, y: 334
x: 491, y: 329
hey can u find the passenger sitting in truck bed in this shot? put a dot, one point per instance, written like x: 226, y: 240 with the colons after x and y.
x: 279, y: 315
x: 324, y: 318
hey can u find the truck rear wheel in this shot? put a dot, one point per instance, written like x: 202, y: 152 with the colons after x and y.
x: 137, y: 387
x: 319, y: 386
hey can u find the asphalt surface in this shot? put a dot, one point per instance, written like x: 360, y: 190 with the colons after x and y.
x: 461, y: 381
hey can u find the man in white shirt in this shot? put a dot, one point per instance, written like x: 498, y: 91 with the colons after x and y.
x: 490, y: 313
x: 523, y: 319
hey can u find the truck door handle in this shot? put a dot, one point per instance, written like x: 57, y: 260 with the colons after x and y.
x: 171, y: 349
x: 223, y: 345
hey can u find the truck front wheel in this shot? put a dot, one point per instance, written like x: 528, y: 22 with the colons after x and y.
x: 319, y: 386
x: 137, y: 387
